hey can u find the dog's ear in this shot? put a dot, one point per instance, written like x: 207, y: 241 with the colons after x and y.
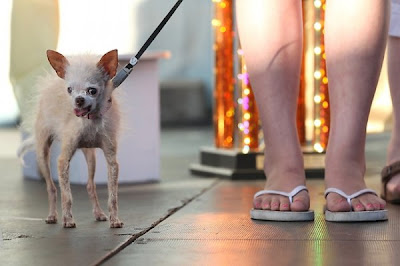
x: 109, y: 63
x: 58, y: 62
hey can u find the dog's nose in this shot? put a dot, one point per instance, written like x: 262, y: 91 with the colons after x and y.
x: 79, y: 101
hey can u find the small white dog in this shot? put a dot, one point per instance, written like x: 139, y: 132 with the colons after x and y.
x: 76, y: 107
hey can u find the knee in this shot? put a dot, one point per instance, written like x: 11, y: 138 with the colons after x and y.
x: 52, y: 190
x: 63, y: 164
x: 90, y: 187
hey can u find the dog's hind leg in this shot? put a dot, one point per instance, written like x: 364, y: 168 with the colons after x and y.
x: 43, y: 142
x: 90, y: 156
x: 68, y: 148
x: 110, y: 152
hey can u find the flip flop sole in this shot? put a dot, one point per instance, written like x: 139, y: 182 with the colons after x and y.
x: 362, y: 216
x: 282, y: 216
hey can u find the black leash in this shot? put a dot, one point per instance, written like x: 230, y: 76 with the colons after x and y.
x: 124, y: 73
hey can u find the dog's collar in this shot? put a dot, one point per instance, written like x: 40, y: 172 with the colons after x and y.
x: 101, y: 112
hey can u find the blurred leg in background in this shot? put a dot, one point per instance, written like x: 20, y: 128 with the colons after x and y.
x: 391, y: 190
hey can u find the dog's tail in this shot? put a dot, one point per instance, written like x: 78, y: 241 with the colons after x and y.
x: 27, y: 145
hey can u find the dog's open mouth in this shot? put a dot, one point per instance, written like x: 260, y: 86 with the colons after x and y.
x: 81, y: 112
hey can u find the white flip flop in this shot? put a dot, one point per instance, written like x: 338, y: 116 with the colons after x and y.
x: 352, y: 216
x: 287, y: 216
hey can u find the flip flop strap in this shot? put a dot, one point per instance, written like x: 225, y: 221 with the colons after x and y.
x: 349, y: 197
x: 387, y: 173
x: 290, y: 195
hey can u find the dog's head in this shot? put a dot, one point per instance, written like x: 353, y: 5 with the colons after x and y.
x: 87, y: 80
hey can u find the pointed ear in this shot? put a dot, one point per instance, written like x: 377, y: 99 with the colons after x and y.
x: 109, y: 63
x: 58, y: 62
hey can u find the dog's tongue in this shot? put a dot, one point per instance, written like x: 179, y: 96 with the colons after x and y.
x: 80, y: 112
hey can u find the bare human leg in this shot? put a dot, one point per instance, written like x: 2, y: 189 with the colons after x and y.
x: 393, y: 153
x: 353, y: 65
x: 271, y: 37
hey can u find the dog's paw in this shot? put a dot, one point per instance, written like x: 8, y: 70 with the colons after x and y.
x: 101, y: 217
x: 69, y: 223
x: 116, y: 223
x: 51, y: 219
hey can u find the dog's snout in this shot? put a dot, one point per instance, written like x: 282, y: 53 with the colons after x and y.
x: 79, y: 101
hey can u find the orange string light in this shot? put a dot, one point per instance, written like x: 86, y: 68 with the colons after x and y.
x: 301, y: 102
x: 224, y: 111
x: 321, y: 96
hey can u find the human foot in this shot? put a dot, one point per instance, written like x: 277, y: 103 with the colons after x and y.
x: 349, y: 198
x: 277, y: 200
x: 350, y: 180
x: 354, y: 216
x: 391, y: 182
x: 295, y: 210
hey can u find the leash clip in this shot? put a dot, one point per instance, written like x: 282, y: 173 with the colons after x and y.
x: 133, y: 61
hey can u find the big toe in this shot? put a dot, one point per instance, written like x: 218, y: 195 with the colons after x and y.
x: 301, y: 202
x: 337, y: 203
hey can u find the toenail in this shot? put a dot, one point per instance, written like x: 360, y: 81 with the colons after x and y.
x: 285, y: 205
x: 370, y: 205
x: 358, y: 206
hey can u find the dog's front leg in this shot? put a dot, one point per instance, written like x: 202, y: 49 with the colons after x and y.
x: 110, y: 152
x: 68, y: 148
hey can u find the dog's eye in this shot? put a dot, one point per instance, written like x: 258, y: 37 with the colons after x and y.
x: 69, y: 90
x: 92, y: 91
